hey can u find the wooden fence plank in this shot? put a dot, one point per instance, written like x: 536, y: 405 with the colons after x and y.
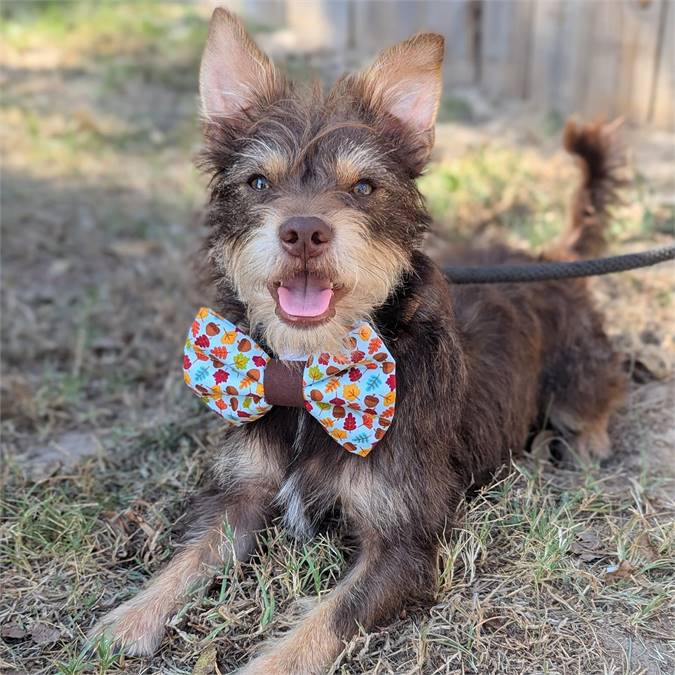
x: 458, y: 23
x: 379, y: 23
x: 265, y: 13
x: 558, y: 68
x: 663, y: 109
x: 320, y: 24
x: 638, y: 49
x: 603, y: 59
x: 506, y: 32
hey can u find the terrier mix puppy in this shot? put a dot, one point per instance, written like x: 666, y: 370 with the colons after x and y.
x: 315, y: 194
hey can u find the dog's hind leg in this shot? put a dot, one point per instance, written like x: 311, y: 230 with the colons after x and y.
x: 583, y: 386
x: 223, y: 524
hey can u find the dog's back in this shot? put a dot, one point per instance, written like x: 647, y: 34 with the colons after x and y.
x: 510, y: 331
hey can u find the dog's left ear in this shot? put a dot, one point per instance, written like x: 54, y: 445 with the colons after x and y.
x: 405, y: 82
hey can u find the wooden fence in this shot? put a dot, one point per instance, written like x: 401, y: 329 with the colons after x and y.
x: 593, y: 57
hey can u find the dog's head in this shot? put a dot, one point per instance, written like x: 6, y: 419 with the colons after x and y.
x: 314, y: 210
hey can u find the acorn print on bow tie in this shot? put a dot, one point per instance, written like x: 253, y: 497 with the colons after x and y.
x: 352, y: 395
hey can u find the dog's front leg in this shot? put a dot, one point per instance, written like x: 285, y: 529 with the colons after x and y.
x: 386, y: 574
x: 223, y: 523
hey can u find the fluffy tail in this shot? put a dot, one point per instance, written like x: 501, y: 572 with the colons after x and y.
x: 601, y: 157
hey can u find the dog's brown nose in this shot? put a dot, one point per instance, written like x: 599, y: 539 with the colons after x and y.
x: 305, y: 237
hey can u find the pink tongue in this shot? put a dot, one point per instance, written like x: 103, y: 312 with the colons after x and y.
x: 305, y: 295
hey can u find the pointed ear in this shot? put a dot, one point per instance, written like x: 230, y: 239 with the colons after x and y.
x: 405, y: 81
x: 234, y: 73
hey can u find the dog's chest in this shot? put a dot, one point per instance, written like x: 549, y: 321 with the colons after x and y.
x: 311, y: 487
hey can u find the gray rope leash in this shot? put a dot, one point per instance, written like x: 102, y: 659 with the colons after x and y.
x: 546, y: 271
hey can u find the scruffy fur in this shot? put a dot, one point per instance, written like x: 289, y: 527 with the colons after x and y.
x: 477, y: 367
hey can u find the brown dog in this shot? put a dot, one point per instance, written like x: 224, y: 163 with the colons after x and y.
x: 322, y: 188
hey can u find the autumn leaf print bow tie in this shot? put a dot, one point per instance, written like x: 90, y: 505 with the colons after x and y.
x: 353, y: 394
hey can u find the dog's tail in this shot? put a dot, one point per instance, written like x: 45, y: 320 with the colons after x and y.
x: 602, y: 160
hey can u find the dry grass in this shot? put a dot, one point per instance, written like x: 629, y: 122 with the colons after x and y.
x: 548, y: 571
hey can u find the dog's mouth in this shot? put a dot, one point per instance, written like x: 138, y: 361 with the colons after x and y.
x: 305, y: 299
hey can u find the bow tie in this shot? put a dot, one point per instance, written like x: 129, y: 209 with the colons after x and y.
x: 352, y: 394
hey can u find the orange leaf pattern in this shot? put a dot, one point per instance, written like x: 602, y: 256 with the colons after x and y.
x: 358, y: 380
x: 243, y: 402
x: 332, y: 385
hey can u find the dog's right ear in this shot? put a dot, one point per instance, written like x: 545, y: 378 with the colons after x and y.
x: 234, y: 73
x: 405, y: 84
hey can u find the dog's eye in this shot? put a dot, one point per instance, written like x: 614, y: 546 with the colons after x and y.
x: 363, y: 188
x: 259, y: 182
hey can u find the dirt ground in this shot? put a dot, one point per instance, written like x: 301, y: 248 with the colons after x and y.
x: 549, y: 571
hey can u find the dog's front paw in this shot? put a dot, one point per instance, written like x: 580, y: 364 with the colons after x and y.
x: 132, y: 628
